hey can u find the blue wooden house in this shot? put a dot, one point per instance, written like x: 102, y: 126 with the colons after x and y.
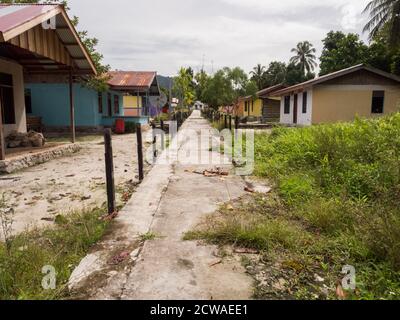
x: 48, y: 100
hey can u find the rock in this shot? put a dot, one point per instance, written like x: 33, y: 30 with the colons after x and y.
x: 14, y: 144
x: 317, y: 278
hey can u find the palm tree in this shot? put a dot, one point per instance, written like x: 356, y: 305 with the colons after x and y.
x: 258, y: 75
x: 384, y: 16
x: 304, y: 56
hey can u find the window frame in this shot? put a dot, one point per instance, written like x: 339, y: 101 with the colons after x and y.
x: 100, y: 102
x: 116, y: 104
x: 305, y: 102
x: 378, y: 94
x: 286, y: 104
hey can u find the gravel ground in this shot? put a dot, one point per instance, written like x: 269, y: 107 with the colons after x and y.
x: 74, y: 183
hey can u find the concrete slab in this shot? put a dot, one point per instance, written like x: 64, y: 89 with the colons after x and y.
x: 172, y: 200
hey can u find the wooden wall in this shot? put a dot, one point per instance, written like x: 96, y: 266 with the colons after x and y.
x: 43, y: 42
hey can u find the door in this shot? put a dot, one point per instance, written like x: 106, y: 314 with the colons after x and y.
x: 295, y: 109
x: 109, y: 104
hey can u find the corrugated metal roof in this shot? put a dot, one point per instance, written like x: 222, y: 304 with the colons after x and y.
x: 132, y: 79
x: 15, y: 15
x: 18, y: 18
x: 334, y: 75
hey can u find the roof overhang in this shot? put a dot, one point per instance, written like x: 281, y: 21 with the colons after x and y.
x: 19, y: 21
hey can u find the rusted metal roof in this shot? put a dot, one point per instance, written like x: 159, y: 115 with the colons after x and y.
x: 16, y: 19
x: 269, y: 92
x: 12, y: 16
x: 132, y: 79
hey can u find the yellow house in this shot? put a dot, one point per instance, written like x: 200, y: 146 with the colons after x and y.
x: 359, y: 91
x: 249, y: 107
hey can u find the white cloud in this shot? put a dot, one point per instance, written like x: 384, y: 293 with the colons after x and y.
x: 164, y: 35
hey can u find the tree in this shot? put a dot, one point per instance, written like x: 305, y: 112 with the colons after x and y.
x: 304, y: 57
x: 384, y: 14
x: 295, y: 74
x: 258, y: 75
x: 201, y: 81
x: 275, y: 74
x: 342, y: 51
x: 184, y: 87
x: 100, y: 81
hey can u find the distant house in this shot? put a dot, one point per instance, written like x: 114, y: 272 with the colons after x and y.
x: 249, y: 107
x: 341, y: 96
x: 271, y: 104
x: 198, y: 105
x: 37, y: 40
x: 141, y: 91
x: 47, y: 97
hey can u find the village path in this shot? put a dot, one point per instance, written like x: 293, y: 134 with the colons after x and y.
x: 73, y: 183
x: 171, y: 268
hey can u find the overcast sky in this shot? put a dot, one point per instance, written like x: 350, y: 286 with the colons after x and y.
x: 163, y: 35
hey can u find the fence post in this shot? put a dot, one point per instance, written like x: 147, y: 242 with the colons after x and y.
x: 230, y: 122
x: 140, y: 150
x: 109, y: 171
x: 237, y: 123
x: 154, y: 142
x: 225, y: 121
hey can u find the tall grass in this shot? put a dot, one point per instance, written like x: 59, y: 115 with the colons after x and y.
x: 341, y: 178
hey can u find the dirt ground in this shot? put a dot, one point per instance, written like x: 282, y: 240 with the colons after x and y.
x: 38, y: 194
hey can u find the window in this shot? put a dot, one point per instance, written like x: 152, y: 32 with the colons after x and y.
x: 287, y: 105
x: 378, y: 99
x: 100, y: 101
x: 28, y: 101
x: 252, y: 106
x: 7, y: 98
x: 109, y: 104
x: 304, y: 102
x: 116, y: 104
x: 245, y: 106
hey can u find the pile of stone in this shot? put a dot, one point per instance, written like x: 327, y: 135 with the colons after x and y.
x: 25, y: 140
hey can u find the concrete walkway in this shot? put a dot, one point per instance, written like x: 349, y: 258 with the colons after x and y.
x: 171, y: 201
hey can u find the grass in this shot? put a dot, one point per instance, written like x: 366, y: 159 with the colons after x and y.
x: 63, y: 247
x: 337, y: 189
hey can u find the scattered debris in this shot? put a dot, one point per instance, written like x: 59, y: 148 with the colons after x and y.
x: 48, y: 219
x: 215, y: 263
x: 84, y: 198
x: 109, y: 217
x: 246, y: 251
x: 120, y: 258
x: 70, y: 176
x: 249, y: 189
x: 340, y: 292
x: 318, y: 278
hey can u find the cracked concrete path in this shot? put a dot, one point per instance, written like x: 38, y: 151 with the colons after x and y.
x: 173, y: 200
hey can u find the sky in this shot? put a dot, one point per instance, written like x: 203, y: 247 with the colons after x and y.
x: 164, y: 35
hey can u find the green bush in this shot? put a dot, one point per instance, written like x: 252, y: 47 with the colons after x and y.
x: 341, y: 177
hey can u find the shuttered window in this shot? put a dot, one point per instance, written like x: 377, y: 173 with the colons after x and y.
x: 304, y: 102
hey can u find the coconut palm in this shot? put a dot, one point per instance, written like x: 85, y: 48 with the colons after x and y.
x: 258, y: 75
x: 384, y: 16
x: 304, y: 56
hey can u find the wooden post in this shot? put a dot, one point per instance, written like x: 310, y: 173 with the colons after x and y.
x: 2, y: 141
x: 155, y: 154
x: 140, y: 150
x: 109, y: 171
x: 162, y: 125
x: 72, y: 106
x: 230, y: 122
x: 237, y: 123
x: 225, y: 121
